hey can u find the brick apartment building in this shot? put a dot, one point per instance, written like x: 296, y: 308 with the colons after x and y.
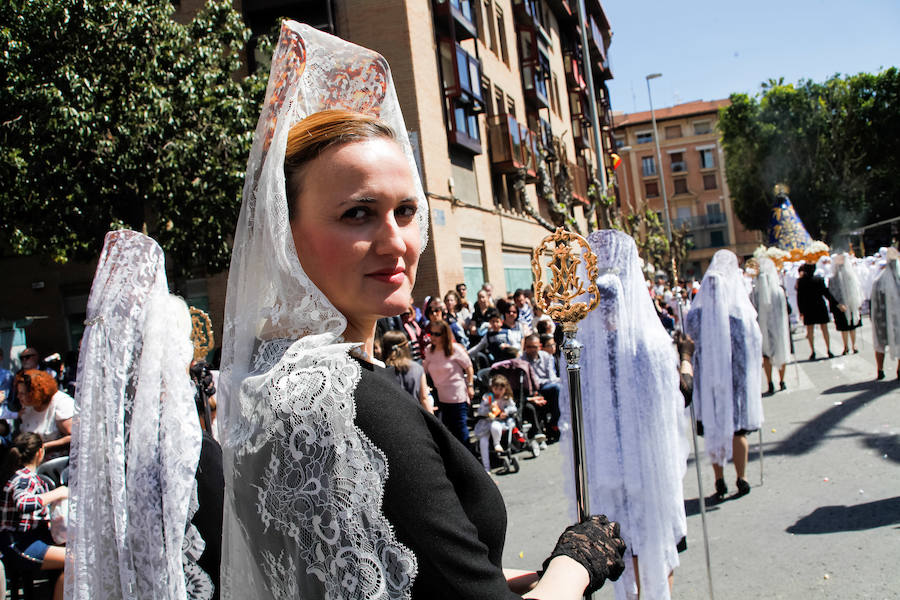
x: 485, y: 85
x: 693, y: 173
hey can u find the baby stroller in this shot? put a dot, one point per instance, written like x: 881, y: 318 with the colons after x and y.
x: 524, y: 385
x: 487, y: 419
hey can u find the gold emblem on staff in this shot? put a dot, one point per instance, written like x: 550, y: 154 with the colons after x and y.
x: 556, y: 298
x: 201, y: 333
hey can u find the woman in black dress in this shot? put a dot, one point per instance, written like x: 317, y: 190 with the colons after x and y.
x: 339, y: 484
x: 811, y: 300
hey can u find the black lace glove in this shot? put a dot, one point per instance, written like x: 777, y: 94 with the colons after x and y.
x: 595, y: 544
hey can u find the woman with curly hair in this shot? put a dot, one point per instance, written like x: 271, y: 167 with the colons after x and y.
x: 46, y: 411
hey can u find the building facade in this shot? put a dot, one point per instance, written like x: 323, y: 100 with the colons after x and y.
x: 693, y: 173
x: 495, y: 99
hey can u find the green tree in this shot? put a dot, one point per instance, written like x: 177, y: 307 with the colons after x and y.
x: 114, y: 115
x: 836, y: 144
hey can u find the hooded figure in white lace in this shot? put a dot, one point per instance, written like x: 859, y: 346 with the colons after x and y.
x: 135, y: 436
x: 771, y: 306
x: 303, y: 485
x: 633, y: 417
x: 886, y: 310
x: 845, y: 287
x: 728, y: 357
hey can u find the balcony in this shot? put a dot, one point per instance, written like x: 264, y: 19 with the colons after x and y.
x: 703, y: 239
x: 679, y: 166
x: 699, y: 222
x: 461, y: 74
x: 574, y: 78
x: 579, y: 182
x: 512, y: 146
x: 458, y: 16
x: 534, y: 63
x: 581, y: 133
x: 565, y: 11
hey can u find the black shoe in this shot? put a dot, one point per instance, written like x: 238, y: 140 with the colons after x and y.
x: 880, y: 376
x: 812, y: 356
x: 743, y: 488
x: 845, y: 352
x: 770, y: 391
x: 781, y: 386
x: 830, y: 355
x: 721, y: 489
x: 855, y: 351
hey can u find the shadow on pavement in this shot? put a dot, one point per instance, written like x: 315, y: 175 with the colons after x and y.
x: 814, y: 431
x: 887, y: 445
x: 831, y: 519
x: 692, y: 505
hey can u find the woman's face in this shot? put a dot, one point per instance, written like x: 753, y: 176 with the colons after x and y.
x: 450, y: 302
x: 23, y: 395
x: 355, y: 231
x: 482, y: 298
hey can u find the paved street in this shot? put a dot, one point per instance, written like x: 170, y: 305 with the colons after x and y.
x: 824, y: 524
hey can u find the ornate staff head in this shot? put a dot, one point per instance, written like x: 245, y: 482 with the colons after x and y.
x: 201, y: 333
x: 557, y: 297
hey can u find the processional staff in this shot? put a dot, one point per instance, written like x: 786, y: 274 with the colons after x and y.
x: 569, y: 250
x: 203, y: 341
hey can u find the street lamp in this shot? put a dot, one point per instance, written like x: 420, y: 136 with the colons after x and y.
x: 662, y: 180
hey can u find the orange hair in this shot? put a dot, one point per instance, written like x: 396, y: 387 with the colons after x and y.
x: 39, y: 384
x: 318, y: 132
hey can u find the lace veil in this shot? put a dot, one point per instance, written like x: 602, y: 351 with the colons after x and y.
x: 771, y: 307
x: 303, y: 486
x: 886, y: 305
x: 634, y: 416
x: 135, y: 435
x: 845, y: 287
x: 728, y: 356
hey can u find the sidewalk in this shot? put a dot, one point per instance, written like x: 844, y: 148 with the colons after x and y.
x: 825, y: 523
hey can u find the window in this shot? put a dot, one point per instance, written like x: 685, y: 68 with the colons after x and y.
x: 717, y: 238
x: 461, y: 73
x: 681, y: 186
x: 554, y: 94
x: 489, y: 24
x: 673, y: 131
x: 707, y: 159
x: 651, y: 189
x: 464, y: 126
x: 501, y: 100
x: 714, y: 214
x: 473, y: 266
x: 517, y: 270
x: 648, y: 166
x: 487, y: 95
x: 619, y: 141
x: 501, y: 31
x: 677, y: 160
x: 709, y: 181
x: 702, y: 127
x: 644, y: 137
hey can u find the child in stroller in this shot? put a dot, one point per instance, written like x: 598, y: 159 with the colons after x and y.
x: 496, y: 414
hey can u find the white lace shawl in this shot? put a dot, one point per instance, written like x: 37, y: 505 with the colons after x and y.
x: 845, y: 287
x: 728, y: 356
x: 636, y: 448
x: 135, y: 435
x: 886, y: 307
x: 772, y: 314
x: 303, y: 485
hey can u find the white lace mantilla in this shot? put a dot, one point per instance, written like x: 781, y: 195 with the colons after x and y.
x: 316, y: 486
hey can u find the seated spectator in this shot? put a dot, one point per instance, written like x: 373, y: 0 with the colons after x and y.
x: 496, y: 413
x: 25, y: 539
x: 526, y: 312
x: 463, y: 310
x: 482, y: 305
x: 46, y: 411
x: 413, y: 332
x: 495, y: 343
x: 438, y: 311
x: 515, y: 331
x: 409, y: 373
x: 544, y: 367
x: 456, y: 311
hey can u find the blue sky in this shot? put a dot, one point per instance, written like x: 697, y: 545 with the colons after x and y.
x: 707, y: 49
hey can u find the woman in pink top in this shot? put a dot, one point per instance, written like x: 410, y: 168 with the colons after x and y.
x: 450, y: 369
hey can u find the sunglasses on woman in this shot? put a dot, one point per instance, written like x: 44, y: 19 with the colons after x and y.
x: 437, y: 333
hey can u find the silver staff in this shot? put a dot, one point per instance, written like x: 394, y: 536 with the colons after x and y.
x: 557, y: 300
x: 702, y: 499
